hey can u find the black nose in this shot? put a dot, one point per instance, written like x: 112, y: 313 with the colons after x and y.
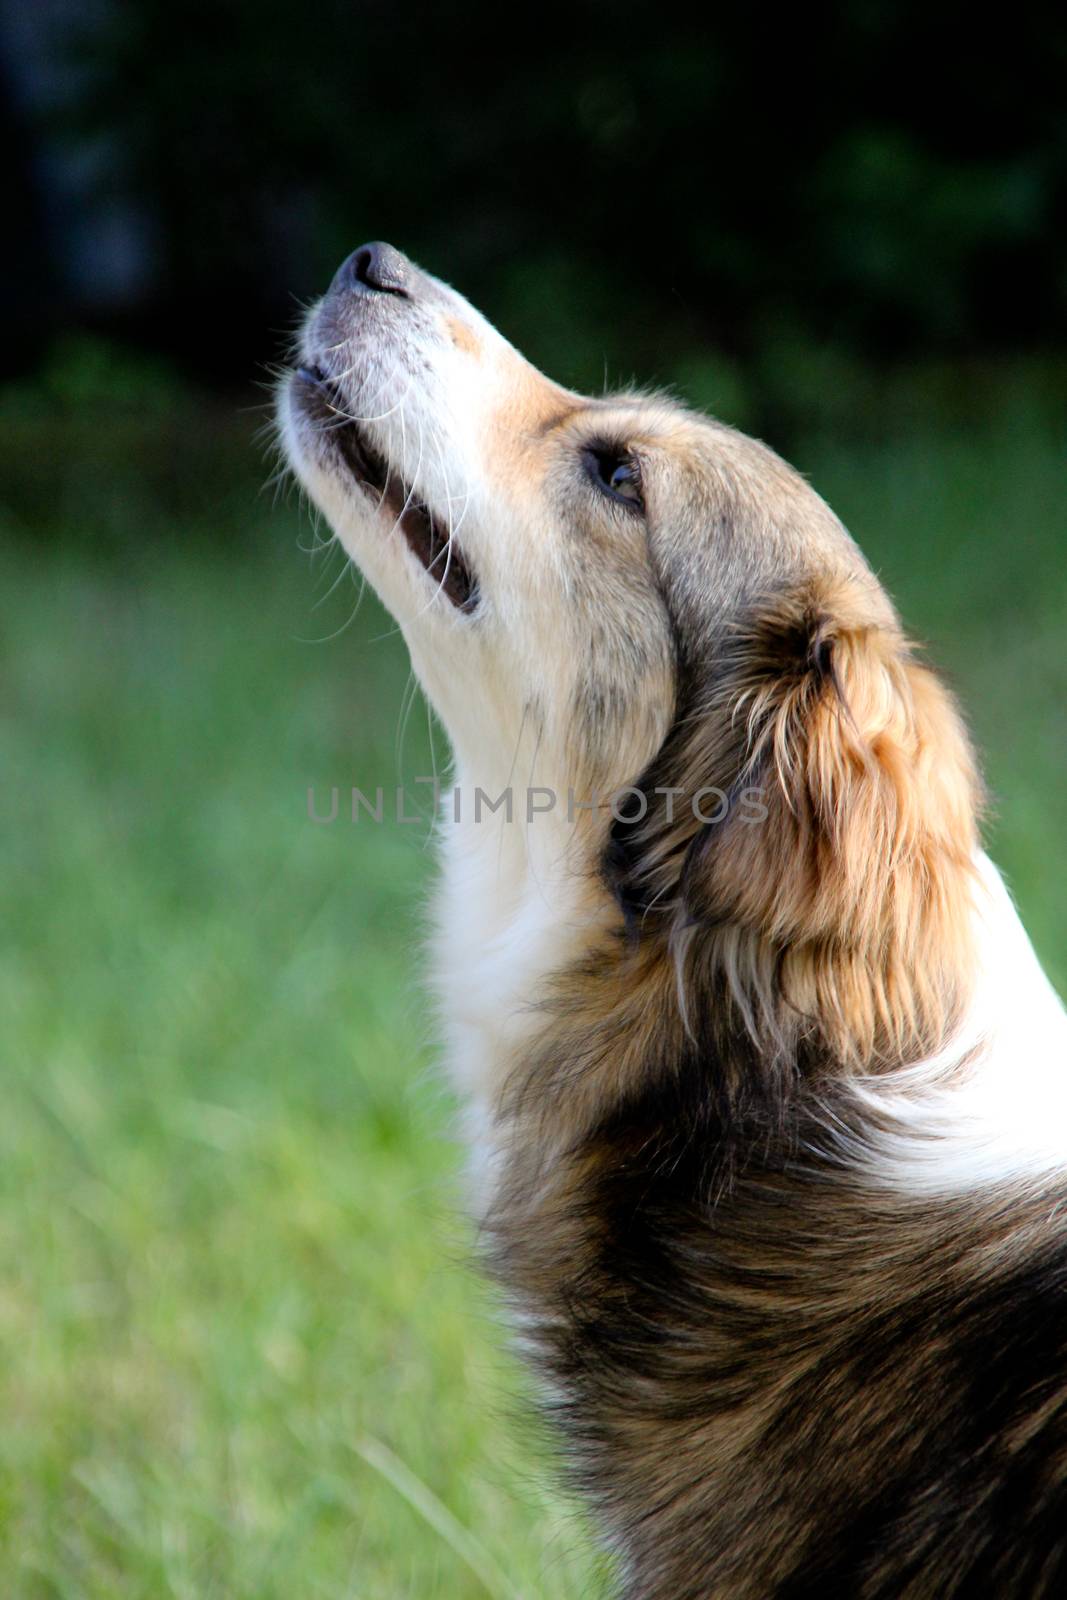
x: 376, y: 267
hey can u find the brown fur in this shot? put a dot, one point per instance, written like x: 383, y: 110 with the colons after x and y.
x: 846, y: 911
x: 787, y: 1385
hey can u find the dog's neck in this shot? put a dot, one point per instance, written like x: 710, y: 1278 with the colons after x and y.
x: 512, y: 912
x: 519, y: 914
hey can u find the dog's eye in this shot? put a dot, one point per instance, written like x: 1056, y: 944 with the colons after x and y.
x: 618, y: 474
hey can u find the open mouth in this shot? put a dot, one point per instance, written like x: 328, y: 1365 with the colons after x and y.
x: 428, y: 539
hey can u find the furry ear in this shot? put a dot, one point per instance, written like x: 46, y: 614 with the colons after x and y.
x: 833, y: 901
x: 858, y: 875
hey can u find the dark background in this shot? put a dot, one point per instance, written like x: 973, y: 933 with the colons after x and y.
x: 743, y: 201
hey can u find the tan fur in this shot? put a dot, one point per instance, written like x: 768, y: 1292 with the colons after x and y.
x: 846, y: 912
x: 861, y: 875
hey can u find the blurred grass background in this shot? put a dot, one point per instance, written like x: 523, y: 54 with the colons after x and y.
x: 242, y: 1351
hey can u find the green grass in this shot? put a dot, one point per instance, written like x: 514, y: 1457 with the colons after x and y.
x: 242, y: 1353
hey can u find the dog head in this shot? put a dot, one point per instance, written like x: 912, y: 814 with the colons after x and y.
x: 644, y: 600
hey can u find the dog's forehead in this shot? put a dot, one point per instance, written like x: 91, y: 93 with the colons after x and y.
x: 683, y: 453
x: 675, y: 447
x: 721, y: 505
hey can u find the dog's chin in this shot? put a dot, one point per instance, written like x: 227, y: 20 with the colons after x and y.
x: 336, y: 439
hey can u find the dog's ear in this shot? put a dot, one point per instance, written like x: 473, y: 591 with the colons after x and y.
x: 834, y: 895
x: 855, y: 870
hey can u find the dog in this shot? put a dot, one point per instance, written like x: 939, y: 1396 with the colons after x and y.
x: 767, y: 1095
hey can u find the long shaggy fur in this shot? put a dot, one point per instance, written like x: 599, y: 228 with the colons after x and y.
x: 840, y: 921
